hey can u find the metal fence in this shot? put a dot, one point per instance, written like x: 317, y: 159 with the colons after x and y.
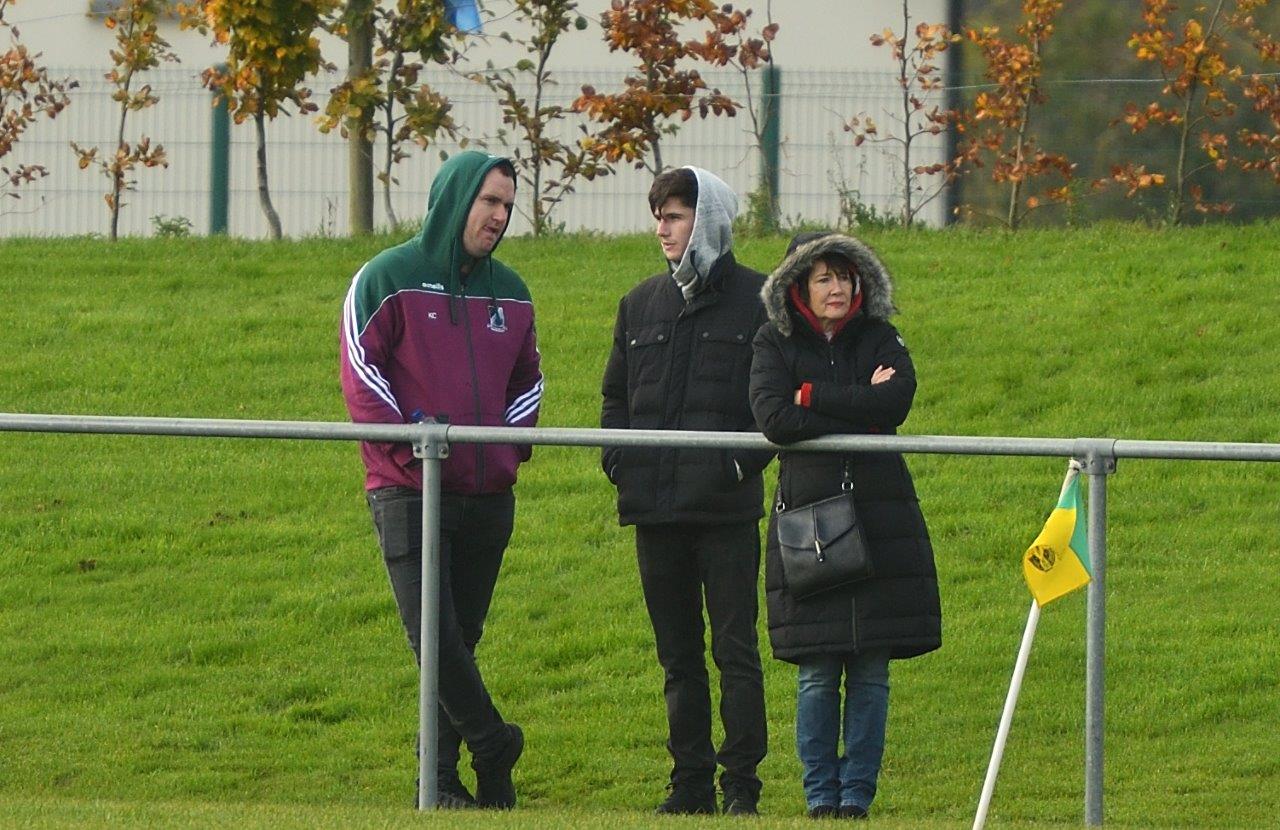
x: 823, y: 178
x: 307, y: 170
x: 431, y: 443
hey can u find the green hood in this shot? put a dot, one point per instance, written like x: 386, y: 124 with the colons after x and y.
x: 452, y: 192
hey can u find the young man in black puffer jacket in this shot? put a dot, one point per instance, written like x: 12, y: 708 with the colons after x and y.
x: 681, y: 359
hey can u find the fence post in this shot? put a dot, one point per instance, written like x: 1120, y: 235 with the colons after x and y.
x: 771, y: 136
x: 219, y: 163
x: 432, y: 448
x: 1099, y: 461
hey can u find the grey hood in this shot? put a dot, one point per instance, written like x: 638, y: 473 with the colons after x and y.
x: 712, y: 235
x: 877, y: 286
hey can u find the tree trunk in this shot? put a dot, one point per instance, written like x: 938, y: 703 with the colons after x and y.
x: 907, y: 213
x: 1015, y: 186
x: 388, y: 162
x: 1178, y: 200
x: 116, y: 167
x: 389, y: 158
x: 651, y: 77
x: 953, y: 197
x: 359, y: 147
x: 117, y: 172
x: 264, y: 193
x: 1015, y: 190
x: 535, y: 143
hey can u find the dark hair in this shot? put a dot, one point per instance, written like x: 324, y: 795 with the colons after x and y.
x: 834, y: 262
x: 805, y: 237
x: 679, y: 184
x: 508, y: 169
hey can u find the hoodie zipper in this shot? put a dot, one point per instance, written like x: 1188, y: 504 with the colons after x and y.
x: 475, y: 387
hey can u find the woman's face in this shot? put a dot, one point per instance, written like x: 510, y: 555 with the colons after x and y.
x: 830, y: 293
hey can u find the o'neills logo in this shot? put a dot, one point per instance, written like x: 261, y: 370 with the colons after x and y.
x: 497, y: 319
x: 1042, y: 558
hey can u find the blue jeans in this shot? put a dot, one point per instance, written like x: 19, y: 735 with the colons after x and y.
x: 831, y: 778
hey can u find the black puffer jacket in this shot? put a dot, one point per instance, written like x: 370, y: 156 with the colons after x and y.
x: 898, y: 608
x: 685, y: 366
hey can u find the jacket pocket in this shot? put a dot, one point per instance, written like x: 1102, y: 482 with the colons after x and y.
x: 722, y: 353
x: 647, y: 348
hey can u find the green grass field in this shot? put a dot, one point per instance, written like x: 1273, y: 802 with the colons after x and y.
x: 198, y: 632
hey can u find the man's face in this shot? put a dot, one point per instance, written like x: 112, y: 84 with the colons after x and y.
x: 675, y: 226
x: 489, y: 214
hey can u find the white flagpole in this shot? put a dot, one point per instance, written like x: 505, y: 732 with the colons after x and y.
x: 1006, y: 718
x: 1015, y: 686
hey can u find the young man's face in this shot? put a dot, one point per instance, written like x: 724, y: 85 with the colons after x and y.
x: 489, y: 214
x: 675, y: 226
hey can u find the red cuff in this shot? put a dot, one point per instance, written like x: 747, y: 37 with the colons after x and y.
x: 806, y: 392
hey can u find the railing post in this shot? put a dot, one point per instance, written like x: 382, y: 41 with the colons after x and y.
x: 1099, y: 461
x: 432, y: 448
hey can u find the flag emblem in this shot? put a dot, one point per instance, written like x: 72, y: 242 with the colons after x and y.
x: 1041, y: 558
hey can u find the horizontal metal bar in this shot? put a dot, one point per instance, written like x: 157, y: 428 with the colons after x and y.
x: 1197, y: 450
x: 960, y: 445
x: 572, y: 436
x: 209, y: 427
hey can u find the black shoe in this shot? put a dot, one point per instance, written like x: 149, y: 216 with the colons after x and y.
x: 852, y: 811
x: 451, y: 794
x: 689, y: 799
x: 494, y: 788
x: 739, y: 801
x: 824, y: 811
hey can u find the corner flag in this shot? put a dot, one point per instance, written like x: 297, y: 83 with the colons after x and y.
x: 1057, y: 562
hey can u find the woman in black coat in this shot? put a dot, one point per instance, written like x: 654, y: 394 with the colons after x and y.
x: 828, y: 362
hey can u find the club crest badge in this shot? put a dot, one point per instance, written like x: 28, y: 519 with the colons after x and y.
x: 1042, y: 558
x: 497, y: 319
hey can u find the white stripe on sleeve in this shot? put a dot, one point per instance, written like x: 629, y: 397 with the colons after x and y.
x: 526, y: 404
x: 368, y: 373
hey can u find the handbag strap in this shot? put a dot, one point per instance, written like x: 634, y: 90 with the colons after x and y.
x: 846, y: 486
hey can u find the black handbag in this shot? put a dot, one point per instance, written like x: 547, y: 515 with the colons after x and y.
x: 822, y: 544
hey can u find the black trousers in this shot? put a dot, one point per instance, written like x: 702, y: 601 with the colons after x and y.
x: 474, y: 532
x: 680, y: 566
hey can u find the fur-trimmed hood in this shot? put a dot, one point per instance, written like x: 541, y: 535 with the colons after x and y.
x: 877, y: 286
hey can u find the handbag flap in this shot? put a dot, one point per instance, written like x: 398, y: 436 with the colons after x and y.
x: 834, y: 518
x: 823, y: 521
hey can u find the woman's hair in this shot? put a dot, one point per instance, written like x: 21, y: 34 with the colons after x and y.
x: 834, y: 262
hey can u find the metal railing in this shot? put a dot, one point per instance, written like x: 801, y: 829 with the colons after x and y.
x: 431, y: 443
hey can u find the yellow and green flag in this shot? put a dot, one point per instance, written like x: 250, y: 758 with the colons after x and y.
x: 1057, y: 562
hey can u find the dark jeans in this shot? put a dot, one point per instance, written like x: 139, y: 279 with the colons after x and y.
x: 474, y: 531
x: 680, y: 564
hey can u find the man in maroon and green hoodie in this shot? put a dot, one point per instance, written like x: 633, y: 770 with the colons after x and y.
x: 437, y: 328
